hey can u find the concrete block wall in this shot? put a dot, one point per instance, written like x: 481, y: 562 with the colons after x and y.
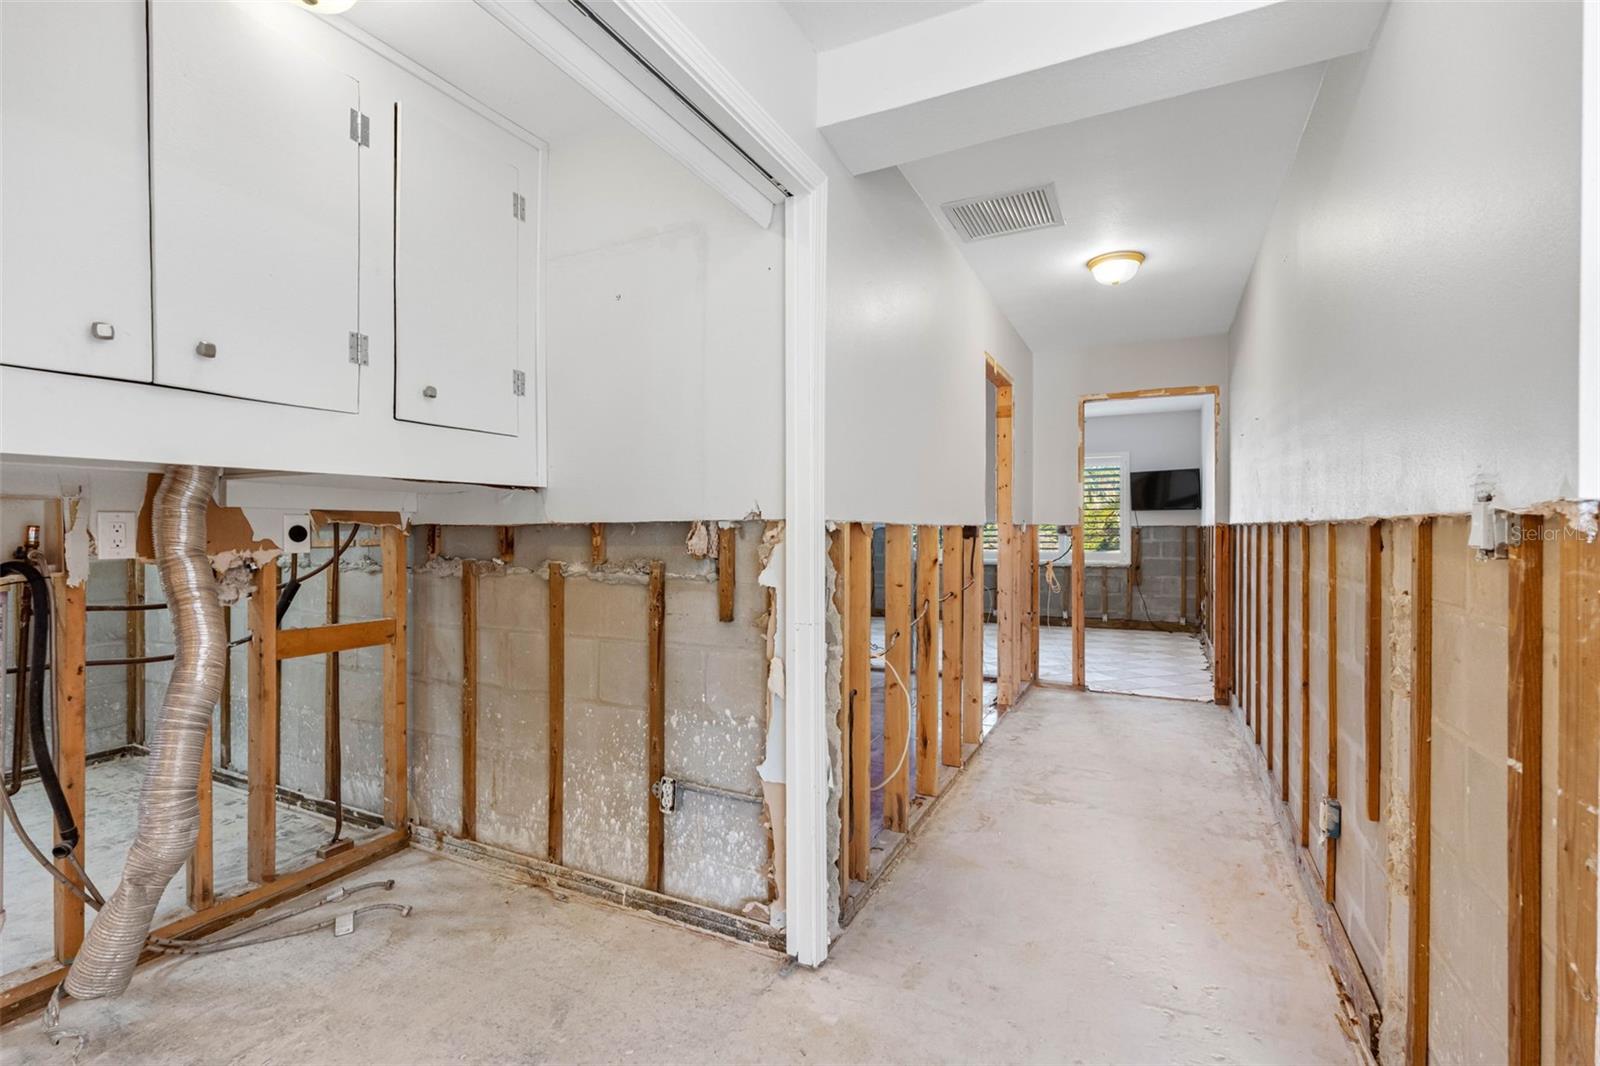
x: 715, y: 845
x: 1468, y: 816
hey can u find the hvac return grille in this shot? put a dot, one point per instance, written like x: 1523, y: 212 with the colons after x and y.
x: 982, y: 217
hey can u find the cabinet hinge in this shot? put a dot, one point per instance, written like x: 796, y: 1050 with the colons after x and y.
x: 358, y: 348
x: 519, y: 383
x: 360, y: 128
x: 519, y: 207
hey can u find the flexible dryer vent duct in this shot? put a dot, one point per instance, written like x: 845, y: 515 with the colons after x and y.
x: 169, y: 808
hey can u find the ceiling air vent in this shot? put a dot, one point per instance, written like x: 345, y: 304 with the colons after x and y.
x: 982, y: 217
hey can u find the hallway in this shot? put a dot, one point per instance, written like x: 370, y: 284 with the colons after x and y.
x: 1159, y: 921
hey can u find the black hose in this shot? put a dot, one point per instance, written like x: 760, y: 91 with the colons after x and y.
x: 39, y: 587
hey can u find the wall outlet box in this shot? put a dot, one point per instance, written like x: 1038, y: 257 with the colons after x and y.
x: 116, y: 535
x: 296, y: 533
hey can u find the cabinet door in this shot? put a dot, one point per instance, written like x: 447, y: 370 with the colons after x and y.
x: 74, y: 192
x: 462, y: 205
x: 255, y: 203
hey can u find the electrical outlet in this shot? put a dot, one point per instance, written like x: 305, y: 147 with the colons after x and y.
x: 296, y: 533
x: 116, y: 535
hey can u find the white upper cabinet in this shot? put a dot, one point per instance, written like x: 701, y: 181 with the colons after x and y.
x: 74, y: 207
x: 255, y: 199
x: 466, y: 225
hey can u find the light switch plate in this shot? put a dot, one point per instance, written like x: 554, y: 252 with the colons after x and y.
x: 116, y: 535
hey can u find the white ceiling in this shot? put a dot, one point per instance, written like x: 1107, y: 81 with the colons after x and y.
x: 832, y: 23
x: 1189, y: 181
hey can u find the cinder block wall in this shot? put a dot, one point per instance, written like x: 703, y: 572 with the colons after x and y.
x: 715, y: 847
x: 1468, y: 817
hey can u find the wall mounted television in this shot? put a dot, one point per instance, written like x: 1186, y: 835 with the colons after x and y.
x: 1165, y: 490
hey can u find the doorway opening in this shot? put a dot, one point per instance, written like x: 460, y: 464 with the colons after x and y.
x: 1147, y: 463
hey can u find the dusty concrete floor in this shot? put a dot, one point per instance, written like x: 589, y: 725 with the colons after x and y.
x: 111, y: 802
x: 1104, y: 884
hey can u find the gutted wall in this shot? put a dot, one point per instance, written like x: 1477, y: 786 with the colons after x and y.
x: 715, y: 848
x: 908, y: 322
x: 1468, y: 815
x: 1061, y: 377
x: 1410, y: 329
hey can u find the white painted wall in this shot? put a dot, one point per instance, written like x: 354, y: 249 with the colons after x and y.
x: 1062, y: 377
x: 664, y: 340
x: 1410, y: 330
x: 908, y: 323
x: 1169, y: 440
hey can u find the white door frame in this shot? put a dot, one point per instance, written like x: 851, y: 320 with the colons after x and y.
x: 653, y: 30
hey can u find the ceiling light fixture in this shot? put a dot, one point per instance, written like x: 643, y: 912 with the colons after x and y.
x: 329, y: 7
x: 1113, y: 268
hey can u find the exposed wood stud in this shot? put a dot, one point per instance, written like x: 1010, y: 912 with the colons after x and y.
x: 1006, y: 578
x: 344, y: 636
x: 469, y: 701
x: 1331, y: 845
x: 858, y: 666
x: 1255, y: 630
x: 199, y: 874
x: 1524, y: 787
x: 1033, y: 603
x: 971, y: 639
x: 69, y: 622
x: 597, y: 543
x: 839, y: 557
x: 1421, y: 795
x: 1578, y: 787
x: 262, y: 829
x: 331, y: 755
x: 557, y: 680
x: 951, y: 618
x: 1183, y: 574
x: 1374, y: 670
x: 135, y: 650
x: 433, y: 541
x: 1222, y: 616
x: 395, y: 775
x: 656, y: 751
x: 506, y: 548
x: 727, y: 566
x: 897, y: 654
x: 1283, y: 664
x: 1305, y: 685
x: 1270, y: 706
x: 925, y: 609
x: 225, y: 711
x: 1079, y: 623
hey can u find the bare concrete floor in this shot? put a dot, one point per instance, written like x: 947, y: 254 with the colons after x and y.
x: 1105, y: 885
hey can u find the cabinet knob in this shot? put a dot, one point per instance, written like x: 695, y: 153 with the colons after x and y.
x: 206, y: 349
x: 429, y: 391
x: 102, y: 331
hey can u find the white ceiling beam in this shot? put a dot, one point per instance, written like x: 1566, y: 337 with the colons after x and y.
x: 997, y: 69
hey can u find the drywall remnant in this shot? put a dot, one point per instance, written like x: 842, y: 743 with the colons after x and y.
x: 834, y: 643
x: 700, y: 543
x: 75, y: 540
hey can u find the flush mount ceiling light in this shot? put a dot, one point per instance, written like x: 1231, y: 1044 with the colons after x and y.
x: 329, y: 7
x: 1113, y: 268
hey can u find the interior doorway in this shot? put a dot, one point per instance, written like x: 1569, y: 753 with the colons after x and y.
x: 1147, y: 463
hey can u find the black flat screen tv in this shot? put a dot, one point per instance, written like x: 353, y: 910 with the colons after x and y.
x: 1165, y: 490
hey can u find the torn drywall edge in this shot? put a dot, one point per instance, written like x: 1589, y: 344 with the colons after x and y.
x: 228, y: 529
x: 391, y: 519
x: 769, y: 554
x: 833, y: 644
x: 75, y: 540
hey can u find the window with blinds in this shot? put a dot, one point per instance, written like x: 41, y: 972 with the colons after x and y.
x: 1049, y: 539
x: 1105, y: 508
